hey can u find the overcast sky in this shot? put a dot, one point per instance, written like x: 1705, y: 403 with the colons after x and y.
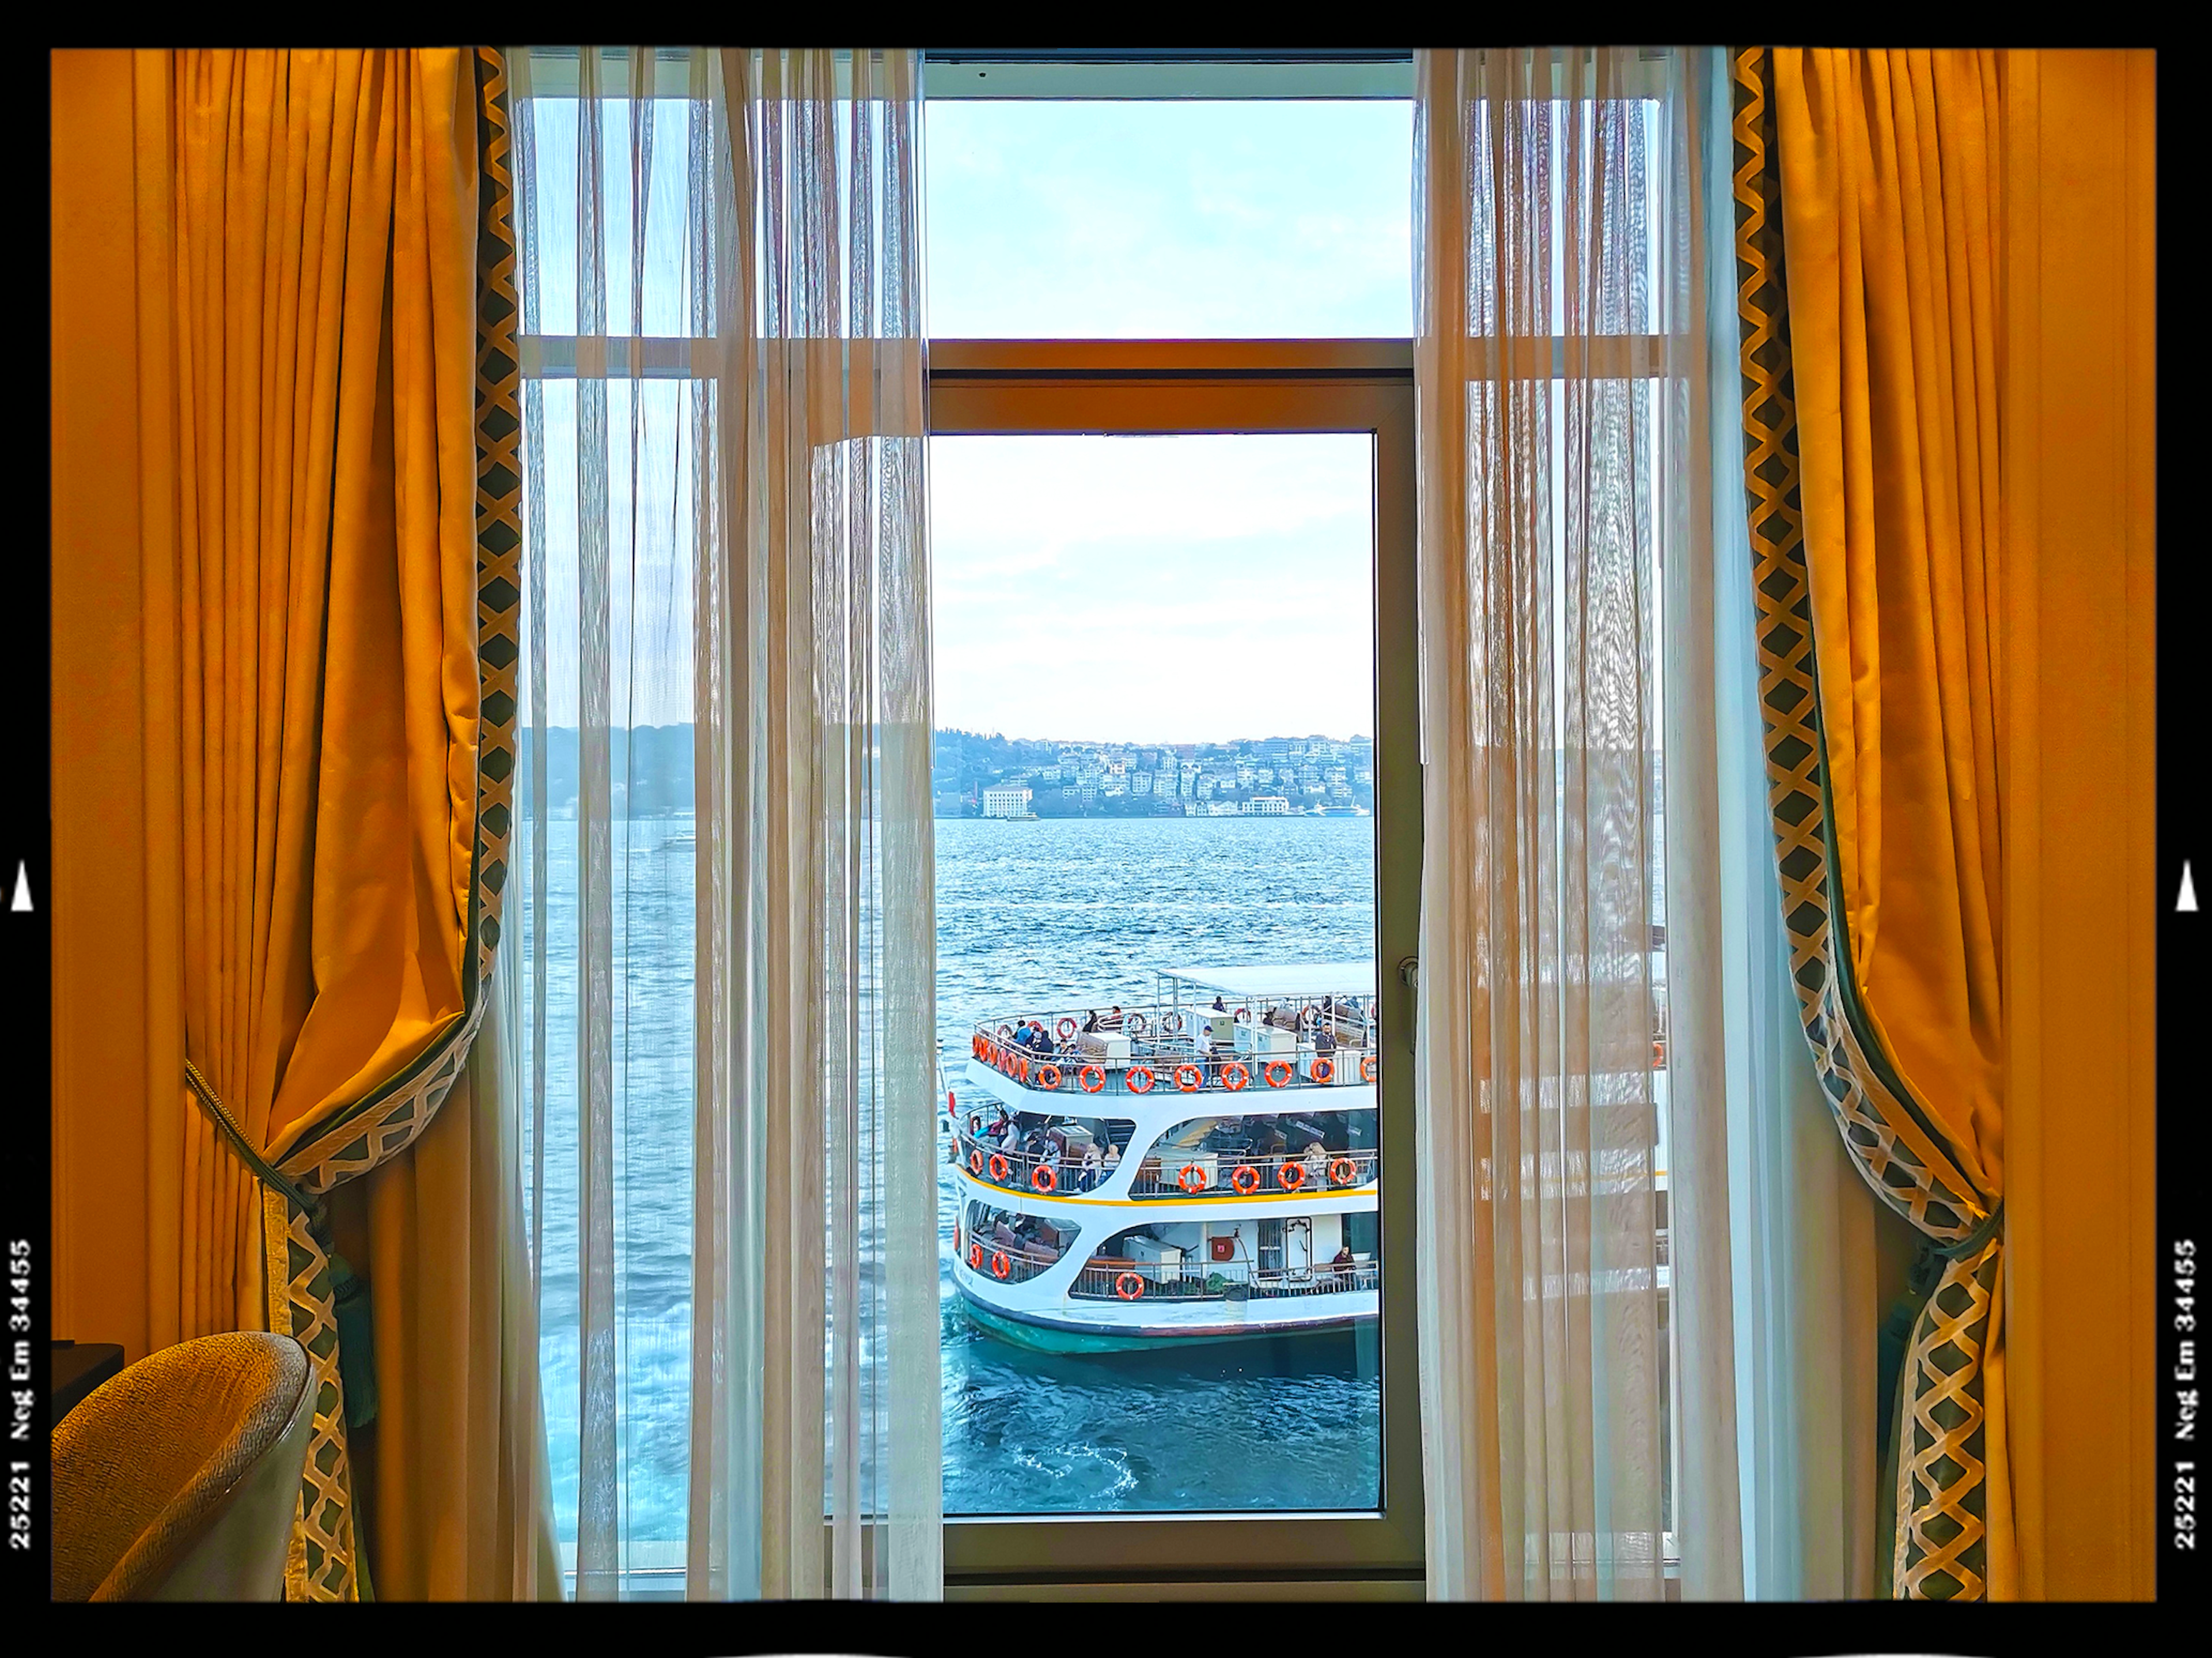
x: 1171, y: 589
x: 1169, y: 220
x: 1185, y: 589
x: 1157, y: 589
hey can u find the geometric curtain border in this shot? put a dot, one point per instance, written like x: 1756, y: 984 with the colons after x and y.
x: 1941, y: 1544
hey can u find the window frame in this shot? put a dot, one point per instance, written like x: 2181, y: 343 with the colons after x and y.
x: 1162, y: 387
x: 1120, y: 386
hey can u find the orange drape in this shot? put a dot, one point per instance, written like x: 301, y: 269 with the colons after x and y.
x: 1891, y: 205
x: 308, y: 287
x: 1892, y: 228
x: 306, y: 229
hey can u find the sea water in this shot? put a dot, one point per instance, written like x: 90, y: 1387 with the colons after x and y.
x: 1031, y: 916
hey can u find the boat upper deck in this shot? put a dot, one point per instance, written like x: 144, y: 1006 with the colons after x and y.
x: 1205, y: 1031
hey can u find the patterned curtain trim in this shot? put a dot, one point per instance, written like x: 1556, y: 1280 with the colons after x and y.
x: 1942, y: 1534
x: 324, y: 1560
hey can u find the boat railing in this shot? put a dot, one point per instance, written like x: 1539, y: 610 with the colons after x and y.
x: 1168, y: 1173
x: 1106, y: 1278
x: 1173, y: 1064
x: 1006, y: 1263
x: 1045, y: 1175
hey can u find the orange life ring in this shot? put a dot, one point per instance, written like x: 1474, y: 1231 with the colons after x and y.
x: 1065, y: 1027
x: 1291, y: 1176
x: 1043, y: 1179
x: 1278, y: 1072
x: 1171, y: 1024
x: 1323, y: 1070
x: 1047, y: 1075
x: 975, y: 1256
x: 1135, y: 1024
x: 1000, y: 1169
x: 976, y: 1164
x: 1093, y: 1078
x: 1189, y: 1078
x: 1006, y: 1032
x: 1243, y: 1016
x: 1021, y: 1067
x: 1192, y: 1179
x: 1367, y: 1067
x: 1132, y: 1075
x: 1128, y: 1285
x: 976, y: 1045
x: 1246, y: 1187
x: 1342, y: 1171
x: 1234, y: 1075
x: 1000, y: 1265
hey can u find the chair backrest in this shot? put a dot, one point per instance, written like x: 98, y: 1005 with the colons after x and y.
x: 177, y: 1479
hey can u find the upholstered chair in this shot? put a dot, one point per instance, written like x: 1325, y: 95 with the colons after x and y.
x: 177, y: 1479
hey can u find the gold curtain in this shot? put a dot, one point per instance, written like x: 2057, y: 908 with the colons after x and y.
x: 327, y: 396
x: 1869, y: 223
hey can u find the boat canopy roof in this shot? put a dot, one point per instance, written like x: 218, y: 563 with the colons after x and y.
x: 1281, y: 978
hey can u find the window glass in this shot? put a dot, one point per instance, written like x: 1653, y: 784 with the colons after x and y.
x: 1154, y: 782
x: 1200, y: 219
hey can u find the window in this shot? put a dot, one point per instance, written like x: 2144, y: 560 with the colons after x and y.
x: 1191, y: 304
x: 1030, y: 435
x: 1175, y: 609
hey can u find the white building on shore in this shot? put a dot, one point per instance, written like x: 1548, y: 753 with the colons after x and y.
x: 1007, y: 801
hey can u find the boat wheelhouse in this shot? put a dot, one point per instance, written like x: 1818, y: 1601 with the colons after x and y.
x: 1202, y: 1168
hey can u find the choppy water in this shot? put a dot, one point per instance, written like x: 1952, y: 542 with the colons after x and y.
x: 1075, y: 912
x: 1031, y: 916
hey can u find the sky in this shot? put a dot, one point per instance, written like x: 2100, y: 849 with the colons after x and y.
x: 1176, y: 589
x: 1168, y: 220
x: 1186, y: 589
x: 1167, y: 589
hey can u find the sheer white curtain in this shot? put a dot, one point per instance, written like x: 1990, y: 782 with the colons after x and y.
x: 725, y: 825
x: 1801, y: 1249
x: 1555, y: 362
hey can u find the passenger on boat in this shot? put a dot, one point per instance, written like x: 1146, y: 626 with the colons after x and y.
x: 1341, y: 1263
x: 1317, y: 1162
x: 1324, y: 1039
x: 1112, y: 1160
x: 1218, y: 1007
x: 1094, y: 1166
x: 1090, y: 1023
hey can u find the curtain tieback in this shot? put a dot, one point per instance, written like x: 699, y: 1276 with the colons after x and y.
x: 349, y: 1294
x: 266, y: 1172
x: 1971, y: 1245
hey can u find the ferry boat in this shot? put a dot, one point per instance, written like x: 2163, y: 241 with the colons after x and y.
x: 1201, y: 1169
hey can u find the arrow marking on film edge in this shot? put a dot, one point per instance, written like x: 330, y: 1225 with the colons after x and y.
x: 2185, y: 903
x: 23, y: 887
